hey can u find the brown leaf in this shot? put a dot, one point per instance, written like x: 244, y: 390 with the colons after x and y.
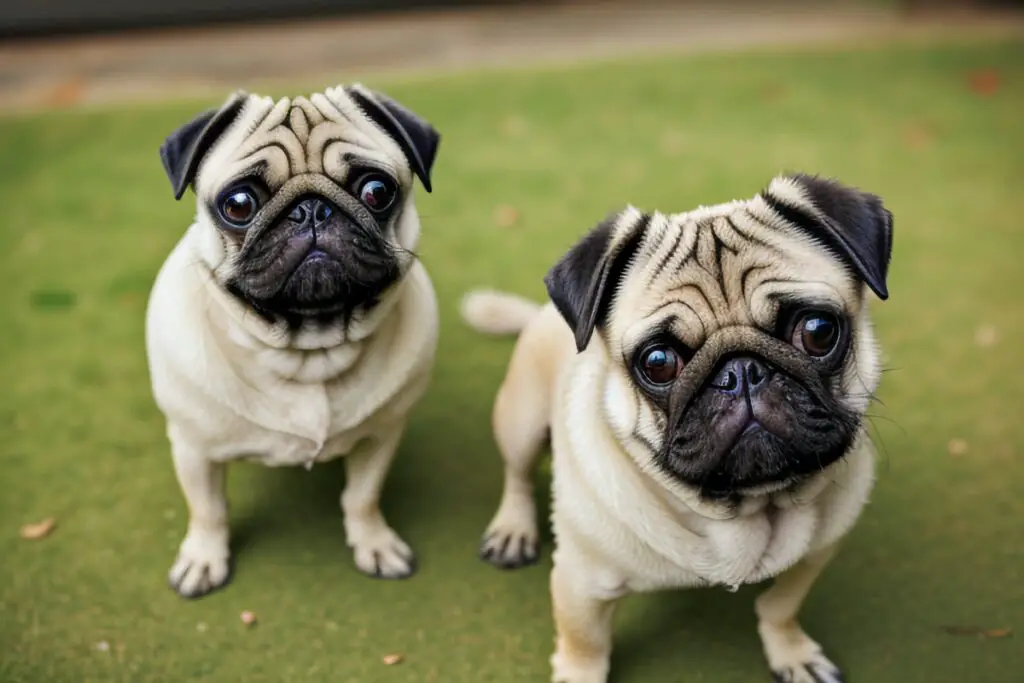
x: 957, y: 447
x: 918, y: 136
x: 392, y: 659
x: 39, y: 529
x: 978, y: 632
x: 984, y: 82
x: 998, y: 633
x: 66, y: 94
x: 506, y: 216
x: 248, y: 618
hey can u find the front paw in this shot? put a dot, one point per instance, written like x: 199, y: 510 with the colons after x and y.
x: 202, y: 565
x: 567, y: 669
x: 380, y: 552
x: 795, y: 658
x: 512, y: 540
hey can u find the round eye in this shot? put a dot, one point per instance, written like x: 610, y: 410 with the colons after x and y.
x: 660, y: 365
x: 816, y: 334
x: 376, y: 193
x: 239, y: 206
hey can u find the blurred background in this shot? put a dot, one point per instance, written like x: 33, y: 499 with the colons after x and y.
x: 552, y: 114
x: 61, y: 52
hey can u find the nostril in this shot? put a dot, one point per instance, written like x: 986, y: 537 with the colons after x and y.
x: 298, y: 214
x: 727, y: 380
x: 756, y: 373
x: 323, y: 212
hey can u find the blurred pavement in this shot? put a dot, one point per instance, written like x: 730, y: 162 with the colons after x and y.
x: 145, y: 65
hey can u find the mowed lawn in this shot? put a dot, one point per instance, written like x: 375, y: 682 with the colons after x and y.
x: 88, y: 217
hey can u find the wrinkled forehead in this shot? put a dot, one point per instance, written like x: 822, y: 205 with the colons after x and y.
x: 725, y: 265
x: 325, y: 134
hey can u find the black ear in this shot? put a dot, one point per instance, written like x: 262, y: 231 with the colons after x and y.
x: 416, y: 137
x: 582, y: 283
x: 854, y: 224
x: 183, y: 149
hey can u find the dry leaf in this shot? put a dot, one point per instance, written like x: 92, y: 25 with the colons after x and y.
x: 505, y: 216
x: 984, y: 82
x: 39, y: 529
x: 986, y: 336
x: 66, y: 94
x: 391, y: 660
x: 998, y: 633
x: 957, y: 447
x: 978, y: 632
x: 248, y: 618
x: 918, y: 136
x: 102, y: 646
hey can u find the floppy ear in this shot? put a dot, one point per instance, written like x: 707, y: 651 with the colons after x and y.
x: 853, y: 224
x: 582, y: 283
x: 417, y: 138
x: 183, y: 149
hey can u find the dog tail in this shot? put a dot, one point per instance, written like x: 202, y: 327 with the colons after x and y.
x: 497, y: 313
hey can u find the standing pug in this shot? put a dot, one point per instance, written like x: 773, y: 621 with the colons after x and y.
x: 293, y: 322
x: 704, y: 377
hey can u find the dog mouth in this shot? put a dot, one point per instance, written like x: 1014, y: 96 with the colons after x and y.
x: 303, y: 268
x: 768, y: 428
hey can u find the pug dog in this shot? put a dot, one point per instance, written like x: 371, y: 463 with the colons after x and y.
x: 704, y: 378
x: 293, y: 323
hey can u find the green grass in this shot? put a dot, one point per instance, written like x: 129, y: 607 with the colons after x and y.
x: 88, y: 217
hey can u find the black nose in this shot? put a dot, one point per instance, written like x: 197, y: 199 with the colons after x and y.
x: 741, y: 375
x: 316, y: 211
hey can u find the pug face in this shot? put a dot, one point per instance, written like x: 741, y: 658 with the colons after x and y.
x: 309, y: 202
x: 741, y: 354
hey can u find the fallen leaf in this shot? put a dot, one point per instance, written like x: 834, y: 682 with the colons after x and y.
x: 102, y: 646
x: 998, y: 633
x: 918, y: 136
x: 248, y: 618
x: 984, y: 82
x: 957, y: 447
x: 978, y: 632
x: 38, y: 529
x: 986, y: 336
x: 391, y: 660
x: 506, y: 216
x: 66, y: 94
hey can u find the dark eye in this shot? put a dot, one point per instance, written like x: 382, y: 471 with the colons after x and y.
x: 816, y: 334
x: 660, y: 364
x: 376, y: 192
x: 239, y: 206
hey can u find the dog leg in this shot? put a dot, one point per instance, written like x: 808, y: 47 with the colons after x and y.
x: 202, y: 564
x: 378, y: 550
x: 520, y: 426
x: 583, y: 628
x: 792, y: 655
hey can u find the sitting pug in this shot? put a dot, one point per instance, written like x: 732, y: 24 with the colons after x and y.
x: 704, y: 377
x: 293, y: 323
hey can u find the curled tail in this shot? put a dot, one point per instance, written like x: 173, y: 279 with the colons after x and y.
x: 493, y: 312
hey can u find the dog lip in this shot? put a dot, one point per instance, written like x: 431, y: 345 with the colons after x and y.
x: 316, y: 254
x: 752, y: 426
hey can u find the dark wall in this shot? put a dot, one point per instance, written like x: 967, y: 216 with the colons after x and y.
x: 42, y: 17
